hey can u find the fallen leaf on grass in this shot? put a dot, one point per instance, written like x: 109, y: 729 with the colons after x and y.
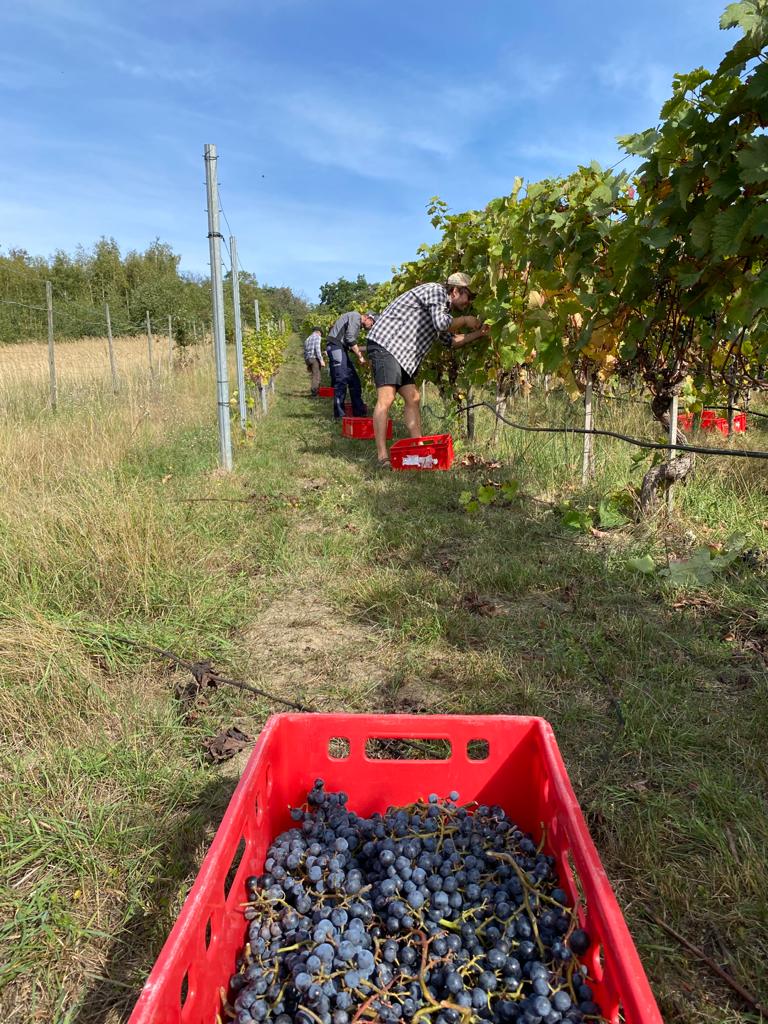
x: 479, y: 605
x: 225, y: 744
x: 698, y: 601
x: 471, y: 461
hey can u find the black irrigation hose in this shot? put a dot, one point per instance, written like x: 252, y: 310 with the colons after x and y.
x: 638, y: 442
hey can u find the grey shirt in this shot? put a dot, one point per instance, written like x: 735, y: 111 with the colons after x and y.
x: 345, y: 331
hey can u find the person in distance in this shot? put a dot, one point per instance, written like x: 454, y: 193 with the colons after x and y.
x: 313, y: 357
x: 343, y: 339
x: 401, y: 338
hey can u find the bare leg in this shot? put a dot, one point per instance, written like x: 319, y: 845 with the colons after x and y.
x: 412, y: 413
x: 385, y: 396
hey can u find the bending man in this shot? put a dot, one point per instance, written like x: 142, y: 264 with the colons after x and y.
x: 401, y: 338
x: 313, y: 357
x: 342, y: 339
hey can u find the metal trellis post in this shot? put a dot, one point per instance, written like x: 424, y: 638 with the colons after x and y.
x: 217, y: 298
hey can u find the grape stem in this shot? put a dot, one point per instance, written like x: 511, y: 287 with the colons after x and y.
x: 527, y: 888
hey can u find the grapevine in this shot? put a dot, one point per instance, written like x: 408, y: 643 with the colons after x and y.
x: 659, y: 277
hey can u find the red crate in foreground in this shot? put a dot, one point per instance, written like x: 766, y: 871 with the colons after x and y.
x: 326, y: 392
x: 432, y: 452
x: 361, y: 427
x: 505, y: 760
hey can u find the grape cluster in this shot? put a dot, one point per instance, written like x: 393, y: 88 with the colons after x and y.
x: 432, y: 913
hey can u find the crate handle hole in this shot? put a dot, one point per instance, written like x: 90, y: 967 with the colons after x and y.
x: 378, y: 748
x: 478, y: 750
x: 184, y: 991
x: 238, y: 856
x: 599, y: 963
x: 338, y: 748
x: 208, y: 933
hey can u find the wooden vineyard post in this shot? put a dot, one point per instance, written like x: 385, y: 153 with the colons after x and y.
x: 111, y: 349
x: 149, y: 347
x: 170, y: 343
x: 470, y: 415
x: 51, y: 348
x: 672, y: 453
x: 586, y: 463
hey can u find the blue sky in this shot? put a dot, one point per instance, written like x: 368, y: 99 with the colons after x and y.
x: 335, y: 120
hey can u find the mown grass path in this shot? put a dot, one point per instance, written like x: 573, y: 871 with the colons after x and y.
x: 314, y: 575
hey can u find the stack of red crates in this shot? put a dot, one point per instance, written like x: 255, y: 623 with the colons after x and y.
x: 711, y: 421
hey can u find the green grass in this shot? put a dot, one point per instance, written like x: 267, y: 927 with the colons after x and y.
x: 657, y: 696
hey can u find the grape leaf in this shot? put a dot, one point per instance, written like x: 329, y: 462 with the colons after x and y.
x: 644, y: 564
x: 753, y: 159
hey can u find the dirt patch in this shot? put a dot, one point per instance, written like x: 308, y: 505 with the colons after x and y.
x: 303, y: 649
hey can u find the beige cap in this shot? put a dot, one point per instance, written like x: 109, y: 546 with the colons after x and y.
x: 459, y: 280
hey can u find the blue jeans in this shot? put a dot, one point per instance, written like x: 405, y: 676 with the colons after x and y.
x: 330, y: 365
x: 344, y: 375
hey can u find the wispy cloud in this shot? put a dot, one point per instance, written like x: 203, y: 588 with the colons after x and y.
x: 639, y: 78
x: 161, y: 72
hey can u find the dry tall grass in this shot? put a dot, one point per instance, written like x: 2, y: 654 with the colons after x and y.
x: 86, y: 535
x: 82, y: 367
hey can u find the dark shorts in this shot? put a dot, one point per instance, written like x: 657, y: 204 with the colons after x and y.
x: 387, y: 372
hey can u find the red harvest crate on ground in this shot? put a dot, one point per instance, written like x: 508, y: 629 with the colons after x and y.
x: 432, y: 452
x: 505, y: 760
x: 711, y: 421
x: 361, y: 427
x: 326, y: 392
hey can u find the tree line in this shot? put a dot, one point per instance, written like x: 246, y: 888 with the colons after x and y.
x: 132, y: 284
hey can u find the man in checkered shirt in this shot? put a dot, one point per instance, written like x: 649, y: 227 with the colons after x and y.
x: 402, y: 336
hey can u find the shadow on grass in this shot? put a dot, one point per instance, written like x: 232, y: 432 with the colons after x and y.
x: 135, y: 948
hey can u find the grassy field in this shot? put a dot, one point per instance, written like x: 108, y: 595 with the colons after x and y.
x: 82, y: 370
x: 322, y: 579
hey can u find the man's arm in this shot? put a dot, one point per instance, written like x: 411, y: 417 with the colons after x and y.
x: 463, y: 323
x: 459, y: 340
x: 353, y: 333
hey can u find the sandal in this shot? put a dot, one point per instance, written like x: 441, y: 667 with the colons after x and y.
x: 384, y: 464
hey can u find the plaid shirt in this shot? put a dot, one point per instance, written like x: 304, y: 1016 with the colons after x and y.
x: 409, y: 325
x: 312, y: 348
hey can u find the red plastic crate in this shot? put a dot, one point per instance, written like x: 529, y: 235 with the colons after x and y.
x: 711, y: 421
x: 505, y: 760
x: 685, y: 420
x: 326, y: 392
x: 361, y: 427
x: 740, y: 423
x: 432, y: 452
